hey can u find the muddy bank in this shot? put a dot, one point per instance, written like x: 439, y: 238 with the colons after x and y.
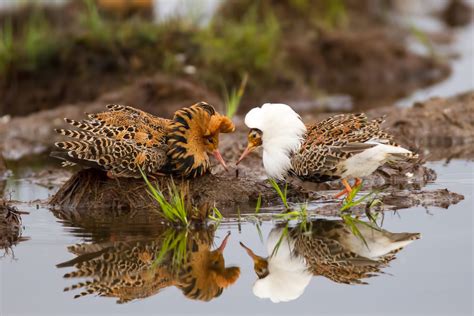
x: 104, y: 201
x: 439, y: 128
x: 90, y: 193
x: 300, y: 53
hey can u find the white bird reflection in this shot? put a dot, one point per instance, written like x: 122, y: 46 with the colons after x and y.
x: 326, y: 248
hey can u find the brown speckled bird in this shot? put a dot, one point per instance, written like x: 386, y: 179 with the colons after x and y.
x: 340, y: 147
x: 130, y: 270
x: 123, y: 140
x: 328, y: 248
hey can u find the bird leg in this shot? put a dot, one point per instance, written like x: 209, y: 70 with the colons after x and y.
x: 346, y: 191
x: 357, y: 182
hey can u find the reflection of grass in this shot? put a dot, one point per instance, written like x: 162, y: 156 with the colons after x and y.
x: 258, y: 206
x: 175, y: 244
x: 284, y: 234
x: 173, y: 209
x: 281, y: 194
x: 352, y: 221
x: 232, y: 99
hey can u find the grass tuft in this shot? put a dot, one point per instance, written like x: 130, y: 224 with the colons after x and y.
x: 351, y: 221
x: 174, y: 244
x: 231, y: 47
x: 281, y: 194
x: 174, y: 210
x: 92, y: 21
x: 216, y: 215
x: 232, y: 100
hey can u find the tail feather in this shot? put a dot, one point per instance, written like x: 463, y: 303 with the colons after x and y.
x: 81, y: 135
x: 397, y: 237
x: 77, y: 286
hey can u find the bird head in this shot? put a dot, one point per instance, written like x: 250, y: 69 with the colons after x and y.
x: 254, y: 140
x: 260, y: 264
x: 208, y: 276
x: 279, y: 130
x: 194, y: 136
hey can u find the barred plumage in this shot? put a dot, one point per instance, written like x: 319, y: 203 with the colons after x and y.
x: 325, y: 248
x: 124, y: 140
x: 340, y: 147
x: 130, y: 270
x: 328, y: 144
x: 333, y: 251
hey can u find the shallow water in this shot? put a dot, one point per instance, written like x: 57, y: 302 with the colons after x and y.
x: 432, y: 275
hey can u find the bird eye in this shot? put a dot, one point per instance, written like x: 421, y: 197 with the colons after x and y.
x: 209, y: 140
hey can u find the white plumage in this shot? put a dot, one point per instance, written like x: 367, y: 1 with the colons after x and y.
x: 341, y: 147
x: 283, y: 132
x: 365, y: 163
x: 288, y: 275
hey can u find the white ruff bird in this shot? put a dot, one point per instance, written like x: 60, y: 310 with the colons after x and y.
x: 282, y: 277
x: 341, y: 147
x: 328, y: 249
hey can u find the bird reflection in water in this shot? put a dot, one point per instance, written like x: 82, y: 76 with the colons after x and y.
x: 327, y: 248
x: 131, y: 270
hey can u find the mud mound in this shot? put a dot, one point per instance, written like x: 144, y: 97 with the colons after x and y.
x: 439, y: 127
x: 90, y: 189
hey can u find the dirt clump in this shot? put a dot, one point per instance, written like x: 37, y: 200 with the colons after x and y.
x: 457, y: 13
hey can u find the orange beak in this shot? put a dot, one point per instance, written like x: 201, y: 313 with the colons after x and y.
x: 223, y: 243
x: 219, y: 158
x: 249, y: 251
x: 248, y: 150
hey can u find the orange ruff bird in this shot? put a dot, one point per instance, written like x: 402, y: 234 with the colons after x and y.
x: 340, y: 147
x: 123, y: 140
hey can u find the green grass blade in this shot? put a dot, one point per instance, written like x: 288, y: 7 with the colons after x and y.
x: 259, y: 204
x: 280, y: 192
x: 284, y: 233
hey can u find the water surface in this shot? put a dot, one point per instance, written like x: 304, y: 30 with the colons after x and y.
x: 432, y: 275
